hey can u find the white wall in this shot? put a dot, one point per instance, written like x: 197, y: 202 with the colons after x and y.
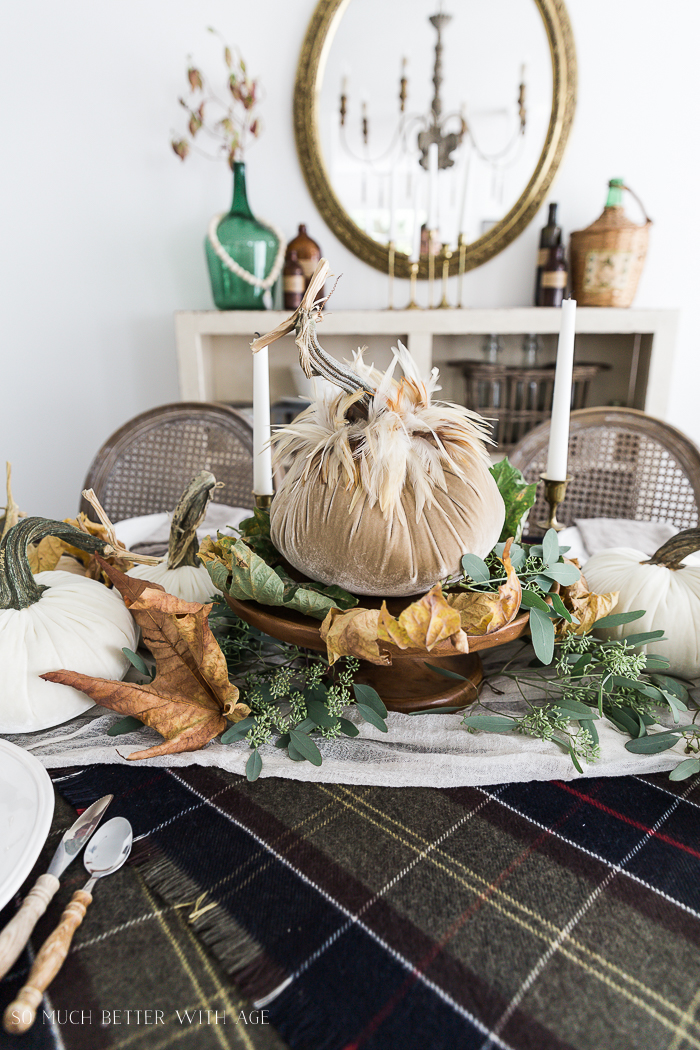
x: 102, y: 226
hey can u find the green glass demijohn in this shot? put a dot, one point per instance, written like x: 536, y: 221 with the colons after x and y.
x: 249, y: 243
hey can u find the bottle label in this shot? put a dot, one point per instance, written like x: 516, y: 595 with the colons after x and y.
x: 308, y: 266
x: 294, y: 282
x: 542, y: 256
x: 554, y: 279
x: 605, y: 271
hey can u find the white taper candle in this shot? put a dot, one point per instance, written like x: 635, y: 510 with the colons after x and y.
x: 262, y: 455
x: 558, y: 455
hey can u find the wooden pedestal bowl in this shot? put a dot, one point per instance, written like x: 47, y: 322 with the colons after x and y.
x: 407, y: 684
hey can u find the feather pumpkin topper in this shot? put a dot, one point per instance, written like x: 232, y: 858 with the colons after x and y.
x: 385, y: 489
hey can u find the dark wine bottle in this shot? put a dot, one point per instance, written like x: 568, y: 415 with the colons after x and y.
x: 554, y: 278
x: 550, y: 237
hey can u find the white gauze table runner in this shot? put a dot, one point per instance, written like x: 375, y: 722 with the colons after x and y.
x: 418, y: 750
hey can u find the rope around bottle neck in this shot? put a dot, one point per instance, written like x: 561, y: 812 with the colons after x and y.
x: 264, y: 283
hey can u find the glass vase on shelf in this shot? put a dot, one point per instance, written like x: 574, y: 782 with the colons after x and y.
x: 249, y: 243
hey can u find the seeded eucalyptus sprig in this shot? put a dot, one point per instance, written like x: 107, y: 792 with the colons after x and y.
x: 592, y: 679
x: 292, y: 692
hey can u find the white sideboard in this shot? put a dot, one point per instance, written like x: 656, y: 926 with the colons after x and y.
x: 638, y: 345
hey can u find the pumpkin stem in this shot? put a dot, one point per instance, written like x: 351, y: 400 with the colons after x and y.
x: 190, y: 510
x: 672, y: 553
x: 18, y: 586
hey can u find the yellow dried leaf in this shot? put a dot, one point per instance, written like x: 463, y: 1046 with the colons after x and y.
x: 483, y: 613
x: 46, y: 554
x: 585, y: 605
x: 353, y: 633
x: 423, y: 624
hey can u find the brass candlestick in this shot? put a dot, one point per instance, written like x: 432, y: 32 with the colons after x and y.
x: 554, y: 493
x: 413, y: 305
x: 431, y: 270
x: 462, y: 243
x: 446, y: 256
x: 263, y: 502
x: 392, y: 254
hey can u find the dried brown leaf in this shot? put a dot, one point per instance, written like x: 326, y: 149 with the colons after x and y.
x: 483, y: 613
x: 46, y: 554
x: 353, y: 633
x: 191, y: 697
x: 423, y: 624
x: 584, y: 604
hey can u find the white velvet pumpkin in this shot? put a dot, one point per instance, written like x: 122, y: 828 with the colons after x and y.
x: 192, y: 583
x: 181, y: 572
x: 77, y: 624
x: 669, y: 596
x: 385, y: 505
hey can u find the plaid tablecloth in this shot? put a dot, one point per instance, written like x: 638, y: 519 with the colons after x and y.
x: 536, y: 916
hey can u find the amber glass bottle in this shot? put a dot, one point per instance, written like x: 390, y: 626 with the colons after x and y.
x: 554, y: 278
x: 293, y: 281
x: 308, y: 252
x: 550, y: 237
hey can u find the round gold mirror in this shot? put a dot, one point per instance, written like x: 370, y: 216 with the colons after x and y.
x: 417, y: 128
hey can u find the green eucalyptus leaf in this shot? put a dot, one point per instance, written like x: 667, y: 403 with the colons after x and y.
x: 617, y: 619
x: 675, y: 704
x: 446, y: 673
x: 564, y: 573
x: 305, y: 746
x: 365, y: 694
x: 490, y: 723
x: 657, y: 663
x: 671, y: 685
x: 370, y: 715
x: 624, y: 722
x: 560, y: 608
x: 136, y: 661
x: 644, y: 637
x: 348, y: 728
x: 550, y: 547
x: 542, y: 633
x: 532, y: 600
x: 125, y: 725
x: 476, y: 568
x: 652, y: 743
x: 239, y: 730
x: 518, y: 556
x: 574, y: 759
x: 575, y: 708
x: 687, y: 768
x: 590, y: 727
x: 253, y: 766
x: 320, y: 714
x: 282, y: 741
x: 295, y: 755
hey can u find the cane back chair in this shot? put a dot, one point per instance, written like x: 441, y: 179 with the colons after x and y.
x: 144, y: 467
x: 623, y: 464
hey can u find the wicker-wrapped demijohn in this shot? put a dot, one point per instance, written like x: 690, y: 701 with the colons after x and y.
x: 385, y: 489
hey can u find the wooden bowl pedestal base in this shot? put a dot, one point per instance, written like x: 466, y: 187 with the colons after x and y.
x: 407, y: 684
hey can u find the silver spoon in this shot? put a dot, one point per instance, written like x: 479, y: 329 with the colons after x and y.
x: 105, y: 853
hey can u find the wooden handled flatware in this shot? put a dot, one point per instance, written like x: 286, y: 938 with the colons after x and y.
x: 17, y: 932
x: 105, y: 853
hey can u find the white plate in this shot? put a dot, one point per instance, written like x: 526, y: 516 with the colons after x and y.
x: 26, y: 809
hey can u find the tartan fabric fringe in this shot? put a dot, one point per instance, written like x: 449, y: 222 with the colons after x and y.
x: 540, y: 916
